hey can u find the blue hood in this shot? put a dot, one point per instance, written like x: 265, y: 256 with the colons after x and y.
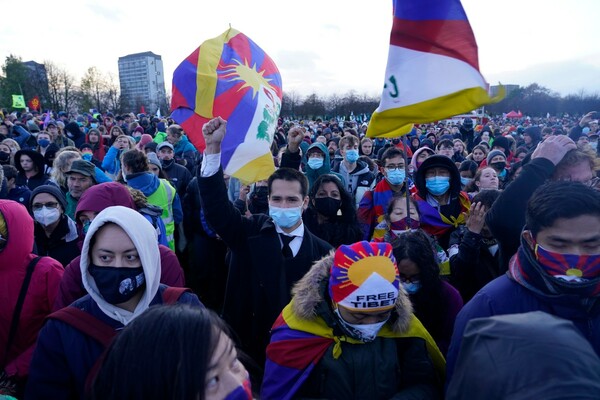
x: 147, y: 182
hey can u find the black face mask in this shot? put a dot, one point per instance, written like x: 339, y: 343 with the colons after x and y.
x: 499, y: 165
x: 259, y: 200
x: 4, y: 157
x: 395, y: 141
x: 327, y: 206
x: 167, y: 163
x: 118, y: 285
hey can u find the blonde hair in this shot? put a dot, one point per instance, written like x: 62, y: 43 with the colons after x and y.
x: 138, y: 196
x: 3, y: 232
x: 61, y: 164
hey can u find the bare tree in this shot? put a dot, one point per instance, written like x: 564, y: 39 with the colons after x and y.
x: 93, y: 88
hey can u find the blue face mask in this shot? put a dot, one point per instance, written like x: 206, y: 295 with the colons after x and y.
x: 411, y: 287
x: 315, y: 163
x: 43, y: 142
x: 94, y: 125
x: 351, y: 156
x: 87, y: 156
x: 438, y: 185
x: 465, y: 181
x: 396, y: 176
x: 285, y: 217
x: 86, y: 227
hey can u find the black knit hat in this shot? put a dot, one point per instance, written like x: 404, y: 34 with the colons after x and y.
x: 50, y: 189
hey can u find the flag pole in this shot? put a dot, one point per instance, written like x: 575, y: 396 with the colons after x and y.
x: 406, y: 191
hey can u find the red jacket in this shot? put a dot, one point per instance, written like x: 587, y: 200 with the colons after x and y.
x: 14, y: 259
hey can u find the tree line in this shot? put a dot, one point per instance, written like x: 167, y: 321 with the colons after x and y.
x: 59, y: 90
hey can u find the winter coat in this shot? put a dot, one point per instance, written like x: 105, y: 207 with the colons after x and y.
x: 186, y: 152
x: 506, y: 295
x: 338, y: 230
x: 40, y: 178
x: 260, y: 279
x: 62, y: 243
x: 506, y: 218
x: 112, y: 162
x: 293, y: 160
x: 74, y: 133
x: 42, y: 290
x: 65, y: 355
x: 179, y: 176
x: 524, y: 356
x: 474, y: 261
x: 311, y: 356
x: 20, y: 194
x: 358, y: 181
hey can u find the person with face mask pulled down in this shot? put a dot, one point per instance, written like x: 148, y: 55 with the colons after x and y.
x: 350, y: 333
x: 120, y: 269
x: 55, y: 232
x: 269, y: 253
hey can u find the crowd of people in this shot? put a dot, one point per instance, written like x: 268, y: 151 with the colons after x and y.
x: 131, y: 266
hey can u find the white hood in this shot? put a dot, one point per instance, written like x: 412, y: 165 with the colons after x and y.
x: 143, y: 236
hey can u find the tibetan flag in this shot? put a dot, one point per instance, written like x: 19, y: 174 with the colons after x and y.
x: 18, y: 101
x: 232, y: 78
x: 34, y: 103
x: 433, y: 68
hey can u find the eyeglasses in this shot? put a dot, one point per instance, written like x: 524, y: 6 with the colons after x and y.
x: 394, y: 166
x: 50, y: 204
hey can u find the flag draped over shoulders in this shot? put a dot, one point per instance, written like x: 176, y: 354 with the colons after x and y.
x: 297, y: 345
x: 433, y: 68
x: 231, y: 77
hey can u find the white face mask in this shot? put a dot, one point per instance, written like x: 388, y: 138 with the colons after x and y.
x: 365, y: 332
x: 46, y: 216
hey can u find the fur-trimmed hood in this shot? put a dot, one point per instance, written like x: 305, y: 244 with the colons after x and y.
x: 310, y: 294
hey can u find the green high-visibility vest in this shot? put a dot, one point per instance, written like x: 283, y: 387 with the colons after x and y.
x: 163, y: 197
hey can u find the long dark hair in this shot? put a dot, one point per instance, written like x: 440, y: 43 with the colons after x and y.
x: 348, y: 208
x: 163, y: 354
x: 419, y: 248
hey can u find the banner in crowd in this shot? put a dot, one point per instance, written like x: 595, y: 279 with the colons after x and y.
x: 18, y: 101
x: 231, y: 77
x: 34, y: 103
x: 433, y: 68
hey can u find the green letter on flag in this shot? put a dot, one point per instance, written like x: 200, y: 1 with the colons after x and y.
x: 18, y: 101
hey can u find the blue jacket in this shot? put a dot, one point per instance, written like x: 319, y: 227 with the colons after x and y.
x: 64, y: 355
x: 505, y: 296
x: 112, y: 161
x: 147, y: 183
x: 185, y: 150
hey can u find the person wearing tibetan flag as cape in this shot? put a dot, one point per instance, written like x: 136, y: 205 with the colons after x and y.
x: 350, y: 333
x: 442, y: 204
x: 227, y: 96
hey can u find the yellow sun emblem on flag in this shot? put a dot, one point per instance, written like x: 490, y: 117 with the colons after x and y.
x: 249, y: 75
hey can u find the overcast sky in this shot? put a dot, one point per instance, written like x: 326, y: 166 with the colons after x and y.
x: 324, y: 46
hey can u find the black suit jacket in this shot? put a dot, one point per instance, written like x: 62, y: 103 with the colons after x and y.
x: 260, y: 279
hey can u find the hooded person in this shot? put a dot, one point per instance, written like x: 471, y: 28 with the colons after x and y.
x: 17, y: 262
x: 316, y: 162
x: 55, y: 232
x: 74, y: 133
x: 419, y: 156
x: 349, y: 332
x: 440, y: 200
x: 31, y: 166
x: 92, y: 202
x: 531, y: 137
x: 535, y: 364
x: 120, y: 268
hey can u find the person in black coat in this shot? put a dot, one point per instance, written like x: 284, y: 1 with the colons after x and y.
x: 178, y: 175
x: 268, y: 253
x: 31, y: 169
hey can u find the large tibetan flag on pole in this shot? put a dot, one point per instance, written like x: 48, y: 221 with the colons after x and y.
x: 231, y: 77
x: 433, y: 68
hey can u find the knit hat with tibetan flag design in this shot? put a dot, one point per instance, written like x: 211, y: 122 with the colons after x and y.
x: 364, y: 277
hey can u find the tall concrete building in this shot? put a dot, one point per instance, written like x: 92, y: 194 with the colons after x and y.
x: 142, y: 82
